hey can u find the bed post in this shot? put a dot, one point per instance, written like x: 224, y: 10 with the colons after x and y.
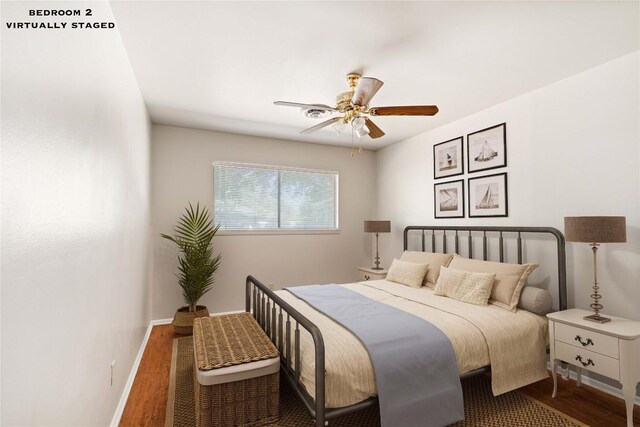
x: 320, y: 388
x: 562, y: 269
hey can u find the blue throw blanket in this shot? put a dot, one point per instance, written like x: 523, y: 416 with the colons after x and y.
x: 414, y: 363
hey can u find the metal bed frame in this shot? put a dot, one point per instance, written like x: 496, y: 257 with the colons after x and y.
x: 282, y: 323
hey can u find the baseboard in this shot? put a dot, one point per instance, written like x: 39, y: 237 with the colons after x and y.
x: 607, y: 388
x: 115, y: 421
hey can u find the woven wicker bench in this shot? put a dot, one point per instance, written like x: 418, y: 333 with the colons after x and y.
x: 237, y: 371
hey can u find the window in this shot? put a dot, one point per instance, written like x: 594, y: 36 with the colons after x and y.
x: 252, y: 197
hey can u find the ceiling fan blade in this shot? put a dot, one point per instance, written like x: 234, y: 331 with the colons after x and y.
x: 367, y: 87
x: 305, y: 106
x: 321, y: 125
x: 374, y: 131
x: 406, y: 110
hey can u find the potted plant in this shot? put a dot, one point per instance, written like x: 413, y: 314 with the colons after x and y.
x: 193, y: 235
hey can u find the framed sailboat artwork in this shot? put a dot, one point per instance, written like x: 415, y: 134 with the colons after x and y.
x: 449, y: 199
x: 488, y: 196
x: 487, y: 148
x: 448, y: 159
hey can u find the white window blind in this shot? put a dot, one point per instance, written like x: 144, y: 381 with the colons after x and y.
x: 250, y: 197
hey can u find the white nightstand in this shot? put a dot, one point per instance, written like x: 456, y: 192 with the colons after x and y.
x: 368, y: 273
x: 611, y: 349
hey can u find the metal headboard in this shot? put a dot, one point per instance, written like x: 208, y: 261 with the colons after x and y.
x: 433, y: 235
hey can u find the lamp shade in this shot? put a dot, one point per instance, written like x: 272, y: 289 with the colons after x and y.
x: 595, y: 229
x: 377, y: 226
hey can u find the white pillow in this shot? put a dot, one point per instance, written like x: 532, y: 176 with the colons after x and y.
x: 465, y: 286
x: 435, y: 260
x: 407, y: 273
x: 510, y: 278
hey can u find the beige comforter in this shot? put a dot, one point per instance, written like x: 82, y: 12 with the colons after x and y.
x: 513, y: 343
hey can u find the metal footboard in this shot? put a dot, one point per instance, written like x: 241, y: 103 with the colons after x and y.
x: 275, y: 316
x: 282, y: 324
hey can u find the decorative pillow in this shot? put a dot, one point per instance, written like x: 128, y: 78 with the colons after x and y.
x: 407, y: 273
x: 434, y: 260
x: 536, y: 300
x: 465, y: 286
x: 510, y: 278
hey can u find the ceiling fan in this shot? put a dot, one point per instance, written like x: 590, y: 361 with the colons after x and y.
x: 353, y: 107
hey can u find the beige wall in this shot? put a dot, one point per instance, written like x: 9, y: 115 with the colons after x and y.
x: 572, y: 149
x: 182, y: 172
x: 75, y: 222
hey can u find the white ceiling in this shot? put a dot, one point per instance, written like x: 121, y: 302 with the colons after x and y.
x: 220, y: 65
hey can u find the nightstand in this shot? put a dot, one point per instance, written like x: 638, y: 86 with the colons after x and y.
x: 611, y: 349
x: 368, y: 273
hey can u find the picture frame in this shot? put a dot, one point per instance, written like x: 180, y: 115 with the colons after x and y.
x: 448, y: 158
x: 488, y: 196
x: 448, y: 199
x: 487, y: 148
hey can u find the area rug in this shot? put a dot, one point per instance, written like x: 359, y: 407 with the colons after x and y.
x: 480, y: 407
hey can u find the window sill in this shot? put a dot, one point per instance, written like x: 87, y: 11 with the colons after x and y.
x: 274, y: 232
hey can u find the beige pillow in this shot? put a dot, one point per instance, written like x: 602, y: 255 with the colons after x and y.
x: 407, y: 273
x: 465, y: 286
x: 434, y: 260
x: 510, y: 278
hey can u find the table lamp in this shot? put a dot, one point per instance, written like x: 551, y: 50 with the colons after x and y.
x: 377, y: 227
x: 595, y: 230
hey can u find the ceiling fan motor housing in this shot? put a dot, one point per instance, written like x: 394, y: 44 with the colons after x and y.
x: 316, y: 113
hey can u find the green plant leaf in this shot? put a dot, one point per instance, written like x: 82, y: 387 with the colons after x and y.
x: 193, y: 235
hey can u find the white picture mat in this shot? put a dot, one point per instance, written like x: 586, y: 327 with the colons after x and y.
x: 494, y: 187
x: 449, y: 199
x: 490, y: 141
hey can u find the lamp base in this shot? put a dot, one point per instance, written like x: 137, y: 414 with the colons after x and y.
x: 597, y: 318
x: 377, y: 268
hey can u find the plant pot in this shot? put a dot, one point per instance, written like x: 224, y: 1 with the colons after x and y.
x: 183, y: 319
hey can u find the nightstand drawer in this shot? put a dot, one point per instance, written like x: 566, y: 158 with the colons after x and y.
x: 589, y: 360
x: 365, y: 274
x: 587, y: 340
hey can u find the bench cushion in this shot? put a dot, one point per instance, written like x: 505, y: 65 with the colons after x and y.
x: 239, y: 372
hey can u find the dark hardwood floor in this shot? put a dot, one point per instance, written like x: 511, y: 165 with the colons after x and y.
x: 147, y: 401
x: 587, y: 404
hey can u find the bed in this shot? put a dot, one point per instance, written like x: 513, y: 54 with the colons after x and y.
x: 329, y: 368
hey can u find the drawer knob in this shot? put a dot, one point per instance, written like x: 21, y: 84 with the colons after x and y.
x: 585, y: 364
x: 366, y: 277
x: 584, y: 343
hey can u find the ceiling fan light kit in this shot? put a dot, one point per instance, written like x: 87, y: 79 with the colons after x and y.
x: 339, y: 126
x: 357, y: 122
x: 353, y: 106
x: 362, y: 131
